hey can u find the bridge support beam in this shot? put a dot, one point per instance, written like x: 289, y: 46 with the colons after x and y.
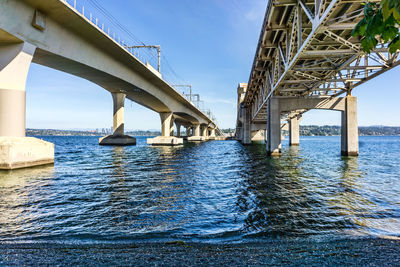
x: 118, y: 138
x: 212, y: 134
x: 246, y: 127
x: 294, y: 131
x: 188, y: 131
x: 17, y: 150
x: 167, y: 137
x: 178, y: 129
x: 273, y: 127
x: 204, y: 131
x: 196, y: 135
x: 349, y: 130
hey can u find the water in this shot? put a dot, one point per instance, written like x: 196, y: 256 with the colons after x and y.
x: 218, y: 191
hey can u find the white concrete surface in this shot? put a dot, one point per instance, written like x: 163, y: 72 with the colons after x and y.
x: 349, y: 137
x: 273, y: 127
x: 21, y: 152
x: 165, y: 141
x: 294, y: 131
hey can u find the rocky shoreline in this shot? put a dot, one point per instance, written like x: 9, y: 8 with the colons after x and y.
x: 364, y: 252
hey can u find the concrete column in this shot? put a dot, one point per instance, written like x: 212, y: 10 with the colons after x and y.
x: 167, y: 124
x: 188, y: 131
x: 118, y: 138
x: 213, y: 132
x: 16, y: 150
x: 238, y: 133
x: 178, y: 129
x: 246, y: 127
x: 273, y: 127
x: 204, y: 131
x: 167, y: 137
x: 294, y: 131
x: 349, y: 138
x: 118, y: 114
x: 197, y: 130
x: 15, y: 60
x: 198, y: 134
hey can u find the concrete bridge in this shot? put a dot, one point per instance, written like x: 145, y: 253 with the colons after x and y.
x: 53, y: 34
x: 306, y: 59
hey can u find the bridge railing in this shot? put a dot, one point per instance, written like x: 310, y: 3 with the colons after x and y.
x: 117, y: 35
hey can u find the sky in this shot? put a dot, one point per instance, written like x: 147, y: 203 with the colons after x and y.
x: 209, y: 44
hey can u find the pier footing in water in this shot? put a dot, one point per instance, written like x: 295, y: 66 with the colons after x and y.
x: 165, y: 141
x: 117, y: 140
x: 22, y: 152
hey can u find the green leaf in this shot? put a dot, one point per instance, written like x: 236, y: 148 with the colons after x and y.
x: 375, y: 25
x: 389, y: 33
x: 360, y: 28
x: 386, y: 11
x: 394, y: 45
x: 368, y: 44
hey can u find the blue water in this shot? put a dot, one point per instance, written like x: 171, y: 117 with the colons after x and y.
x: 214, y: 191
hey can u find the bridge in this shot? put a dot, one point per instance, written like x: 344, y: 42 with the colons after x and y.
x: 54, y: 34
x: 306, y: 58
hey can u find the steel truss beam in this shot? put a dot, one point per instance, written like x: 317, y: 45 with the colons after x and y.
x: 306, y: 49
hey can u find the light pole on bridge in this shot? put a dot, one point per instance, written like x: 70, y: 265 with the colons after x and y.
x: 158, y: 47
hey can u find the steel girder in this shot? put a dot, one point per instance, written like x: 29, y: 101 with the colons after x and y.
x: 306, y: 50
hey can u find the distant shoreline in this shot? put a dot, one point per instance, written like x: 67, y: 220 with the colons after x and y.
x: 305, y: 130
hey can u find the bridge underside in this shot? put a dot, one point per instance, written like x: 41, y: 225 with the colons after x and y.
x: 306, y: 57
x: 53, y: 34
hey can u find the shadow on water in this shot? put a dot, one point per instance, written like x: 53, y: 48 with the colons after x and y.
x: 146, y: 195
x: 281, y: 197
x: 22, y: 191
x: 217, y: 190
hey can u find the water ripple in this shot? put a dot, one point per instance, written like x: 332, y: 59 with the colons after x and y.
x: 208, y: 191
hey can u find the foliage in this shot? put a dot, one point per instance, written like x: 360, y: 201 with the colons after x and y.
x: 380, y: 25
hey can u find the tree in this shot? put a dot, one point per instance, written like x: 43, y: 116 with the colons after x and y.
x: 379, y: 25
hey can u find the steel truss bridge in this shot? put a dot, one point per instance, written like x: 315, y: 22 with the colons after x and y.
x: 306, y: 50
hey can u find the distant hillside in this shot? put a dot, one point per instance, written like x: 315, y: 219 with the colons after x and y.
x: 306, y: 130
x: 313, y: 130
x: 54, y: 132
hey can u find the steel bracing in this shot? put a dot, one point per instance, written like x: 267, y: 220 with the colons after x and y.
x: 306, y: 50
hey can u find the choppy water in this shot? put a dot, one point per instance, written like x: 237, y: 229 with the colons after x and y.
x: 213, y: 191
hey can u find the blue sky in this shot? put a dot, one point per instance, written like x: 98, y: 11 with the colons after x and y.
x: 209, y: 44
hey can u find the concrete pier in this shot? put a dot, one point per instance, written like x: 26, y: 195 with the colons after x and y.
x: 273, y: 127
x: 212, y: 135
x: 204, y: 131
x: 167, y: 137
x: 196, y: 137
x: 118, y: 138
x: 16, y: 150
x: 178, y: 129
x: 294, y: 130
x: 246, y: 127
x: 349, y: 130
